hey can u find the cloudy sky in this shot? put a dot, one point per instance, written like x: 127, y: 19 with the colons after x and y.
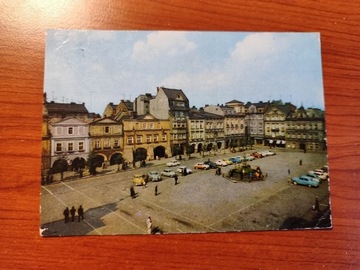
x: 99, y: 67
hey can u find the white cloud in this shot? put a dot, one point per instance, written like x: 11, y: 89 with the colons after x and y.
x: 162, y: 43
x: 257, y: 45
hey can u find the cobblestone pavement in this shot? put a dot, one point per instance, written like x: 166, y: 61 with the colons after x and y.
x: 200, y: 202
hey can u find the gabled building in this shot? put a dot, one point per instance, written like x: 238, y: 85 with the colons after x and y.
x: 106, y: 136
x: 110, y: 110
x: 173, y: 105
x: 274, y: 123
x: 125, y: 108
x: 234, y: 122
x: 206, y: 131
x: 70, y: 141
x: 146, y: 138
x: 305, y: 129
x: 254, y: 122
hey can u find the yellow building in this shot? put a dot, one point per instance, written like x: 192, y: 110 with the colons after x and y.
x: 106, y: 140
x: 46, y: 144
x: 146, y: 138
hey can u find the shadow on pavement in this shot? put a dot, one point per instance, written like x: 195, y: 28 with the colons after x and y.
x: 92, y: 216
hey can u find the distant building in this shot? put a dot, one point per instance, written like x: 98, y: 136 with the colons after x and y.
x: 173, y: 105
x: 206, y: 131
x: 254, y: 122
x: 106, y: 140
x: 125, y: 108
x: 110, y: 110
x: 142, y: 104
x: 70, y: 141
x: 274, y: 123
x: 305, y: 129
x: 146, y: 138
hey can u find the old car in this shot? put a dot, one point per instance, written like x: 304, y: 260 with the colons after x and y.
x: 184, y: 170
x: 211, y: 164
x: 168, y: 173
x: 305, y: 181
x: 228, y: 162
x: 139, y: 180
x: 235, y: 159
x: 173, y: 163
x: 154, y: 176
x: 220, y: 162
x: 201, y: 166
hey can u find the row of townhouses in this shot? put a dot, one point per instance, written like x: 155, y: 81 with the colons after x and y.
x: 164, y: 125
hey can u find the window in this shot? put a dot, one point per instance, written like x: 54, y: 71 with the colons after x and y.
x: 130, y: 140
x: 156, y: 138
x: 148, y: 138
x: 70, y: 130
x: 138, y: 139
x: 107, y: 129
x: 81, y: 146
x: 164, y: 137
x: 106, y: 144
x: 144, y: 125
x: 151, y: 125
x: 58, y: 147
x: 70, y: 147
x: 97, y: 144
x: 116, y: 143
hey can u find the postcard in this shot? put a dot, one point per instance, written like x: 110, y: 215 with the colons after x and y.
x: 172, y: 132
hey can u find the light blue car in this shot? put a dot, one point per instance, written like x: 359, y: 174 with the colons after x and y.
x: 305, y: 181
x: 235, y: 159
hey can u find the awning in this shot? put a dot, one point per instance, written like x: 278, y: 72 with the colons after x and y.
x: 283, y: 142
x: 270, y: 141
x: 278, y: 142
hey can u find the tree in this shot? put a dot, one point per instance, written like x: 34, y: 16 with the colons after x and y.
x: 94, y: 161
x: 60, y: 166
x: 190, y: 149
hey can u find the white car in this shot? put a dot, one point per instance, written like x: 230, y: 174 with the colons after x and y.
x: 173, y: 163
x: 182, y: 168
x: 221, y: 162
x: 320, y: 173
x: 267, y: 153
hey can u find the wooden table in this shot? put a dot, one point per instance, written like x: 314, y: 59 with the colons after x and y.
x: 22, y: 36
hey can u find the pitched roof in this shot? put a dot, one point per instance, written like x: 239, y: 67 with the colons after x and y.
x: 72, y: 108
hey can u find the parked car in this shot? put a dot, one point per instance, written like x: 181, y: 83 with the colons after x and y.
x: 173, y: 163
x: 181, y: 170
x: 201, y: 166
x: 211, y: 164
x: 305, y: 180
x: 267, y: 153
x: 139, y: 180
x: 228, y: 162
x: 154, y: 176
x: 249, y: 157
x: 322, y: 175
x: 220, y: 162
x: 235, y: 159
x: 168, y: 173
x: 314, y: 176
x: 256, y: 155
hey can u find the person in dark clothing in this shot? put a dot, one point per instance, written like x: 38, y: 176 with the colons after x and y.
x: 66, y: 214
x: 156, y: 190
x: 317, y: 204
x: 132, y: 192
x: 176, y: 179
x: 300, y: 162
x: 72, y: 212
x: 80, y: 213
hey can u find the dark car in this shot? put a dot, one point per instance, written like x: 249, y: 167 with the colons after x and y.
x: 211, y: 164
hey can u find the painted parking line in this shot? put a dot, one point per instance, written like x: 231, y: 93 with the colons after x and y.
x: 54, y: 196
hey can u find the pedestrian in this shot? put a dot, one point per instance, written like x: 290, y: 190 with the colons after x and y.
x: 316, y: 206
x: 156, y: 190
x: 80, y: 213
x: 66, y: 214
x: 300, y: 162
x: 149, y: 225
x: 72, y: 212
x: 288, y: 171
x: 132, y: 192
x: 176, y: 179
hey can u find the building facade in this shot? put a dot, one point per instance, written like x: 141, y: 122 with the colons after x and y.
x: 106, y: 137
x: 70, y: 141
x: 305, y: 129
x: 146, y: 138
x: 254, y: 122
x: 173, y: 105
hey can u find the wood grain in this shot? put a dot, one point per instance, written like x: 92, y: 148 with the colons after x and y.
x: 22, y: 36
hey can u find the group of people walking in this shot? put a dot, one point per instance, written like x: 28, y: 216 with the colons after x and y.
x: 71, y: 212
